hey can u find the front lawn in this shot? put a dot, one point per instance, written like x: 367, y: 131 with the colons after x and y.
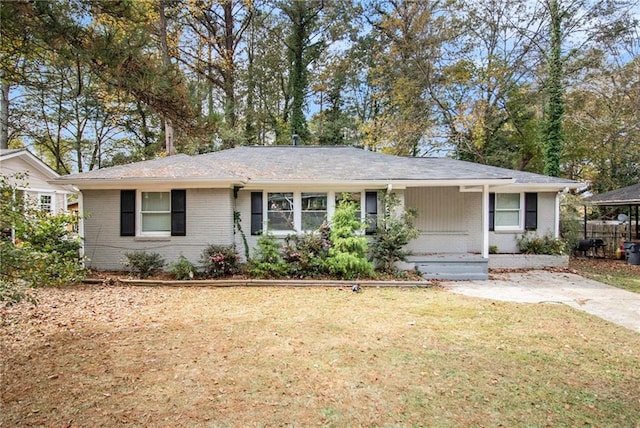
x: 186, y: 357
x: 610, y: 271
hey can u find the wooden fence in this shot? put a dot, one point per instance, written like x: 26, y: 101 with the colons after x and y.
x: 612, y: 232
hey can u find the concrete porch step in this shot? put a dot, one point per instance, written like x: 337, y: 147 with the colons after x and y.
x: 456, y: 267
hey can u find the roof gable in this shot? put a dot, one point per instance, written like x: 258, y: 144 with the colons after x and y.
x: 6, y: 155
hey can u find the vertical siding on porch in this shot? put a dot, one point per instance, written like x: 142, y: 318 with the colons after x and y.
x: 442, y: 219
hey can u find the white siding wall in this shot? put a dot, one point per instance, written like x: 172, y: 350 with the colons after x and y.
x: 506, y: 241
x: 209, y: 221
x: 451, y: 221
x: 443, y: 219
x: 37, y: 183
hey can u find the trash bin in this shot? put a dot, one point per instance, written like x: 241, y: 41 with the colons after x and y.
x: 633, y: 257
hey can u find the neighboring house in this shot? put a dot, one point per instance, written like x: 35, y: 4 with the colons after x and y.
x: 180, y: 204
x: 36, y: 187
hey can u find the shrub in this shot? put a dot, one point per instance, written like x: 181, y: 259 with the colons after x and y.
x: 535, y: 244
x: 394, y: 231
x: 305, y: 255
x: 571, y: 220
x: 220, y: 260
x: 347, y: 257
x: 183, y: 269
x: 267, y: 261
x: 36, y: 247
x: 143, y: 264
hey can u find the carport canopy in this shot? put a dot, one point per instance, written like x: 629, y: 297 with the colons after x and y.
x: 624, y: 197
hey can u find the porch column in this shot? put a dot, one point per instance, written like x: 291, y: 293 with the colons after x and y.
x: 485, y: 221
x: 81, y: 223
x: 557, y: 216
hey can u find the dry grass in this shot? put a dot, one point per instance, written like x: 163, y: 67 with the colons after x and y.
x: 613, y: 272
x: 185, y: 357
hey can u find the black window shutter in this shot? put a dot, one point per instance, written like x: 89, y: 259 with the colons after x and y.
x: 492, y: 210
x: 371, y: 211
x: 127, y: 213
x: 179, y: 212
x: 530, y: 211
x: 256, y: 213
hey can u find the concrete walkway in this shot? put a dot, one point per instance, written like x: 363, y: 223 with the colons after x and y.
x: 610, y: 303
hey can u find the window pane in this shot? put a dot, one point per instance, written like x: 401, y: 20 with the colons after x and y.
x: 507, y: 218
x: 314, y: 210
x: 156, y: 222
x: 508, y: 201
x: 156, y: 212
x: 156, y: 201
x: 45, y: 202
x: 280, y: 211
x: 280, y: 202
x: 280, y: 220
x: 314, y: 202
x: 312, y: 220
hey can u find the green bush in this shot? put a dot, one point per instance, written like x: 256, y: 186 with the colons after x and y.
x: 571, y: 219
x: 183, y: 269
x: 267, y: 261
x: 37, y: 248
x: 536, y: 244
x: 143, y: 264
x: 305, y: 254
x: 220, y: 261
x: 347, y: 257
x: 392, y: 234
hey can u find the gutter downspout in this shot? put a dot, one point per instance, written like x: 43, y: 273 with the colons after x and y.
x: 485, y: 221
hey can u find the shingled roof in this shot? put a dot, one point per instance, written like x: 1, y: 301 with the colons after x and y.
x: 309, y: 164
x: 629, y: 195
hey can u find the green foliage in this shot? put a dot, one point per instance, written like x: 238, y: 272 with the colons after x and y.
x: 571, y: 220
x: 493, y: 249
x: 37, y: 248
x: 394, y: 231
x: 220, y: 261
x: 546, y: 244
x: 267, y: 261
x: 183, y: 269
x: 553, y: 132
x: 237, y: 221
x: 143, y: 264
x: 348, y: 252
x: 305, y: 255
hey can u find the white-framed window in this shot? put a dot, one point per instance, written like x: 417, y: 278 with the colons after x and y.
x: 313, y: 210
x: 155, y: 213
x: 286, y: 212
x: 508, y: 211
x: 280, y: 211
x: 45, y: 202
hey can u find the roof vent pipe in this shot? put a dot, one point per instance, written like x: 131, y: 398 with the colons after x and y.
x: 296, y: 137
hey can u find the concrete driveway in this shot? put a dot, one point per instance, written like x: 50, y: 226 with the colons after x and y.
x: 610, y: 303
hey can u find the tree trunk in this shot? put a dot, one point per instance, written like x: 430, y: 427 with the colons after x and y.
x: 4, y: 114
x: 168, y: 127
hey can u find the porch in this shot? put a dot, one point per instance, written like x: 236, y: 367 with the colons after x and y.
x: 470, y: 266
